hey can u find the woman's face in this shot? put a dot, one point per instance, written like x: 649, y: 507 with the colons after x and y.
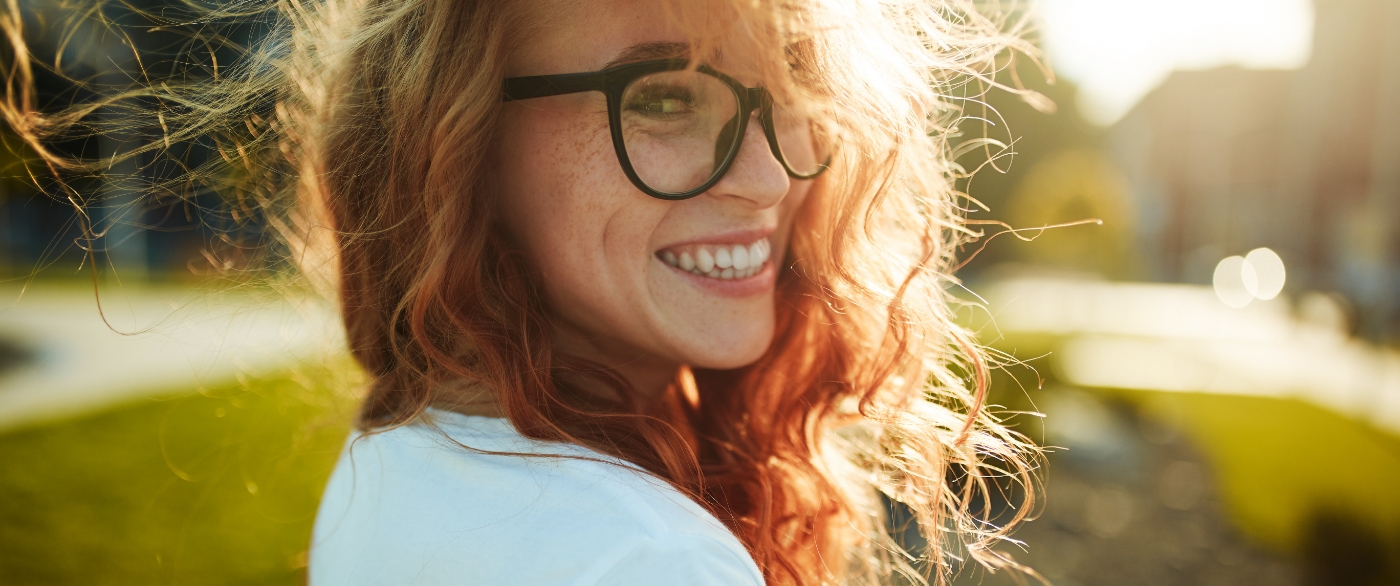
x: 612, y: 258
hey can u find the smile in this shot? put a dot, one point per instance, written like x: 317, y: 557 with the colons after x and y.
x: 719, y: 261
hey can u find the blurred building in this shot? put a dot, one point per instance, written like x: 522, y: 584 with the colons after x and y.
x: 1305, y: 162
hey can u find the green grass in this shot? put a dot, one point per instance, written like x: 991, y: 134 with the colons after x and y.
x: 219, y: 487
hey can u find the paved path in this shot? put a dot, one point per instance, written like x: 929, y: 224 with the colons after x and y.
x: 1122, y: 335
x: 1182, y: 338
x: 161, y: 341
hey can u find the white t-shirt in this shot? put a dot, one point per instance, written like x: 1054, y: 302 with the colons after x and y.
x: 407, y: 506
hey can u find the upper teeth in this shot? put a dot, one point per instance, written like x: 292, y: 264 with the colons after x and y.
x: 719, y: 261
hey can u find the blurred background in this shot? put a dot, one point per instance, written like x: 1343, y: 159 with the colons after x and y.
x: 1216, y: 362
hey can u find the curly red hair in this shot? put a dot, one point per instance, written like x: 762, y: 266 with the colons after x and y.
x: 869, y: 387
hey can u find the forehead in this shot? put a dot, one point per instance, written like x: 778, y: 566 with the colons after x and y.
x: 566, y: 36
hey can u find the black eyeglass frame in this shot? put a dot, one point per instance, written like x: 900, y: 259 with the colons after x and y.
x: 613, y: 82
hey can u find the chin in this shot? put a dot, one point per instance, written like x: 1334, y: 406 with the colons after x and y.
x: 729, y: 354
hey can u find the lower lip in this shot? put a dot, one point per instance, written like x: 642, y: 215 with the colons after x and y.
x: 760, y: 282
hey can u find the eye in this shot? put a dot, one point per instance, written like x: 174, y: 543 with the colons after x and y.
x: 666, y: 106
x: 659, y: 100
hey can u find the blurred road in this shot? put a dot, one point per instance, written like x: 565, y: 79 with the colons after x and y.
x: 157, y: 341
x: 1182, y: 338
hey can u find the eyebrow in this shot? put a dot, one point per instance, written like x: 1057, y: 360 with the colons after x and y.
x: 648, y: 51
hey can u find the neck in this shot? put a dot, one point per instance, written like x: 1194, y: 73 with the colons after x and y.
x: 648, y: 375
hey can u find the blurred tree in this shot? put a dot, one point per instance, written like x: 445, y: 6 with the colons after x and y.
x: 161, y: 220
x: 16, y: 190
x: 1073, y: 186
x: 1034, y: 126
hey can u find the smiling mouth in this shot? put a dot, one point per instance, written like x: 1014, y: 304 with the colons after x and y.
x: 719, y: 261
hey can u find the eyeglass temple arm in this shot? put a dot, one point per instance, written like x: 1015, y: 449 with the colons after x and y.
x: 543, y: 86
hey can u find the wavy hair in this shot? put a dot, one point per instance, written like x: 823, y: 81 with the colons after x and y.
x: 869, y: 388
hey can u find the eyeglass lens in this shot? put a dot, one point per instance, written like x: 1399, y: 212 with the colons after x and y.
x: 678, y: 126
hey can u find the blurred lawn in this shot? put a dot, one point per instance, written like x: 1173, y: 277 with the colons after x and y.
x: 219, y: 487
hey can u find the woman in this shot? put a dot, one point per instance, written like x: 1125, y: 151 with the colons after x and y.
x: 647, y: 292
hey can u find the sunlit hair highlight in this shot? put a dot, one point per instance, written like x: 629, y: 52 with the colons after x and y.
x: 363, y: 130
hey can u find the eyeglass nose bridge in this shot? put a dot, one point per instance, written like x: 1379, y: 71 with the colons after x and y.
x: 758, y: 99
x: 730, y: 140
x: 755, y: 98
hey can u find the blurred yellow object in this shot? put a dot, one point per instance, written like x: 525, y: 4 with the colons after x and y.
x: 1280, y: 463
x: 1296, y: 417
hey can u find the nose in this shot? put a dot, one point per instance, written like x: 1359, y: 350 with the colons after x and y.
x: 756, y: 177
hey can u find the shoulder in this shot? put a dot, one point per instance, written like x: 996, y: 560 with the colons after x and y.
x: 417, y: 505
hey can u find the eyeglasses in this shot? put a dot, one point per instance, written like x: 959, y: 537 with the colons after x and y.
x: 677, y: 128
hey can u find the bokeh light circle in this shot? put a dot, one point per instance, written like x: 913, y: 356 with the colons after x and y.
x: 1268, y: 269
x: 1250, y: 278
x: 1233, y: 281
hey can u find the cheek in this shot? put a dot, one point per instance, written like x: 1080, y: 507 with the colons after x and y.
x: 566, y: 202
x: 540, y: 167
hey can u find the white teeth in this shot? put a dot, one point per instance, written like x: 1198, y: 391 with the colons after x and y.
x: 740, y: 255
x: 730, y: 261
x: 704, y: 261
x: 722, y: 259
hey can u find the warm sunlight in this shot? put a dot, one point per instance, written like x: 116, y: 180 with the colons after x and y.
x: 1117, y: 51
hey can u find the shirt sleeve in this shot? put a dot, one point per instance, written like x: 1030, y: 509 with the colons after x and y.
x: 682, y: 560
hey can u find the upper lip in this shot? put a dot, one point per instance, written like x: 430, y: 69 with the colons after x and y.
x: 741, y: 236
